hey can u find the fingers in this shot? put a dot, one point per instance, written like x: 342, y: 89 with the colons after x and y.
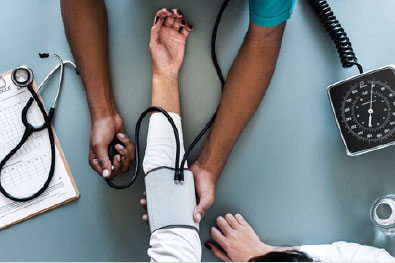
x: 231, y: 220
x: 176, y: 17
x: 100, y: 150
x: 159, y: 20
x: 94, y: 163
x: 187, y: 29
x: 241, y: 220
x: 169, y: 20
x: 217, y: 236
x: 128, y: 144
x: 116, y: 164
x: 143, y: 203
x: 219, y: 253
x: 127, y: 151
x: 160, y: 17
x: 223, y: 225
x: 145, y: 218
x: 204, y: 203
x: 179, y: 23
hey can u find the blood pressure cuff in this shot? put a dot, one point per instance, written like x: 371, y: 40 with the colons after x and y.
x: 170, y: 205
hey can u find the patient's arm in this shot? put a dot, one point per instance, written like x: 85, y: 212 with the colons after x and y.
x: 167, y: 46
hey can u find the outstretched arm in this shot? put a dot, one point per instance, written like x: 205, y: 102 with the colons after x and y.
x: 85, y: 23
x: 173, y: 242
x: 247, y: 81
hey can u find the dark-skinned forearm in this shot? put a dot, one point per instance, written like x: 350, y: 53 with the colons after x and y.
x: 86, y: 28
x: 247, y: 81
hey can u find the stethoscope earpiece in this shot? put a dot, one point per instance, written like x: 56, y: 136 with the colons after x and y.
x: 43, y: 55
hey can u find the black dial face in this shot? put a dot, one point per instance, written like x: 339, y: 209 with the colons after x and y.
x: 364, y: 107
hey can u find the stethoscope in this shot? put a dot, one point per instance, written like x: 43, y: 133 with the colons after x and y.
x: 22, y: 77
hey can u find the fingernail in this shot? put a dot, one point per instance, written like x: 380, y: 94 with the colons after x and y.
x: 121, y: 135
x: 156, y: 19
x: 179, y: 12
x: 198, y: 217
x: 118, y: 158
x: 120, y: 146
x: 182, y: 22
x: 207, y: 246
x: 105, y: 173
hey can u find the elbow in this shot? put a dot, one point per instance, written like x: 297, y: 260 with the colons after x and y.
x: 264, y: 37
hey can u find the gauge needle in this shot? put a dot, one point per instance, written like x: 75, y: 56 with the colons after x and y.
x: 367, y: 102
x: 370, y: 110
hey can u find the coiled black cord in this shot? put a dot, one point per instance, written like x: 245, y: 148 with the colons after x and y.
x: 337, y: 33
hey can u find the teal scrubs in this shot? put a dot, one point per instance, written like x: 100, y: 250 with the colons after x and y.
x: 270, y: 13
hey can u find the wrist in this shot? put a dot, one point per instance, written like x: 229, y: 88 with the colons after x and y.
x: 101, y: 102
x: 104, y: 112
x: 213, y: 170
x: 168, y: 76
x: 209, y: 161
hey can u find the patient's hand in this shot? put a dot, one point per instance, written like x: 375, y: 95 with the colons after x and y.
x: 237, y: 239
x: 168, y: 37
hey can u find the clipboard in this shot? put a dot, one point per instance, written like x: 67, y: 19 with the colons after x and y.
x: 67, y: 169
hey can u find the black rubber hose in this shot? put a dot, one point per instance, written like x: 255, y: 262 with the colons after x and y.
x: 337, y: 33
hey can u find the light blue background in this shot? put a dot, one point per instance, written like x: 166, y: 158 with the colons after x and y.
x: 288, y: 174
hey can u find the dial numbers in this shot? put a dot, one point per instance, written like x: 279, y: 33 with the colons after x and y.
x: 367, y: 110
x: 364, y: 108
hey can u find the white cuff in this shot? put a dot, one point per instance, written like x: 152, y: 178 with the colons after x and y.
x: 161, y: 143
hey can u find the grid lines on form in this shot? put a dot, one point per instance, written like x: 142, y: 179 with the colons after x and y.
x: 31, y: 162
x: 24, y: 171
x: 12, y: 128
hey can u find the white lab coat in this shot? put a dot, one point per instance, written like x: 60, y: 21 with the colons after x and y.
x: 347, y: 252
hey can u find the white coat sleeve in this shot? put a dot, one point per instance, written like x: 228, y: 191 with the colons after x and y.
x: 173, y: 244
x: 347, y: 252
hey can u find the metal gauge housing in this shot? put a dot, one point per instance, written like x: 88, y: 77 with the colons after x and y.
x: 364, y: 108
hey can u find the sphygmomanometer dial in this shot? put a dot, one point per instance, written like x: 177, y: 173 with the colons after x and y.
x: 364, y: 107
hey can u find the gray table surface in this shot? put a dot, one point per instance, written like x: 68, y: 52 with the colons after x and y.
x: 288, y: 174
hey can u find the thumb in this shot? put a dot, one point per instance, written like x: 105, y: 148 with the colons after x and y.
x: 104, y: 161
x: 205, y: 202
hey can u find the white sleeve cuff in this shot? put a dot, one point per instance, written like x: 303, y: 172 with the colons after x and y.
x: 161, y: 143
x: 175, y: 245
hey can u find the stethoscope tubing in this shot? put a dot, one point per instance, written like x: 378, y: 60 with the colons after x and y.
x: 29, y: 130
x: 137, y: 150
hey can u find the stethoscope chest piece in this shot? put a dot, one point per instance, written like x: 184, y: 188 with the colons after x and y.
x: 22, y: 76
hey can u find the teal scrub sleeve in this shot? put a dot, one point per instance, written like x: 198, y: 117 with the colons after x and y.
x: 270, y: 13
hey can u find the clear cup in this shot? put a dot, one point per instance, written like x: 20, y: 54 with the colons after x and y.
x: 382, y: 214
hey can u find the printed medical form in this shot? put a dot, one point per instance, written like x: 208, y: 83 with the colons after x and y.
x: 27, y: 170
